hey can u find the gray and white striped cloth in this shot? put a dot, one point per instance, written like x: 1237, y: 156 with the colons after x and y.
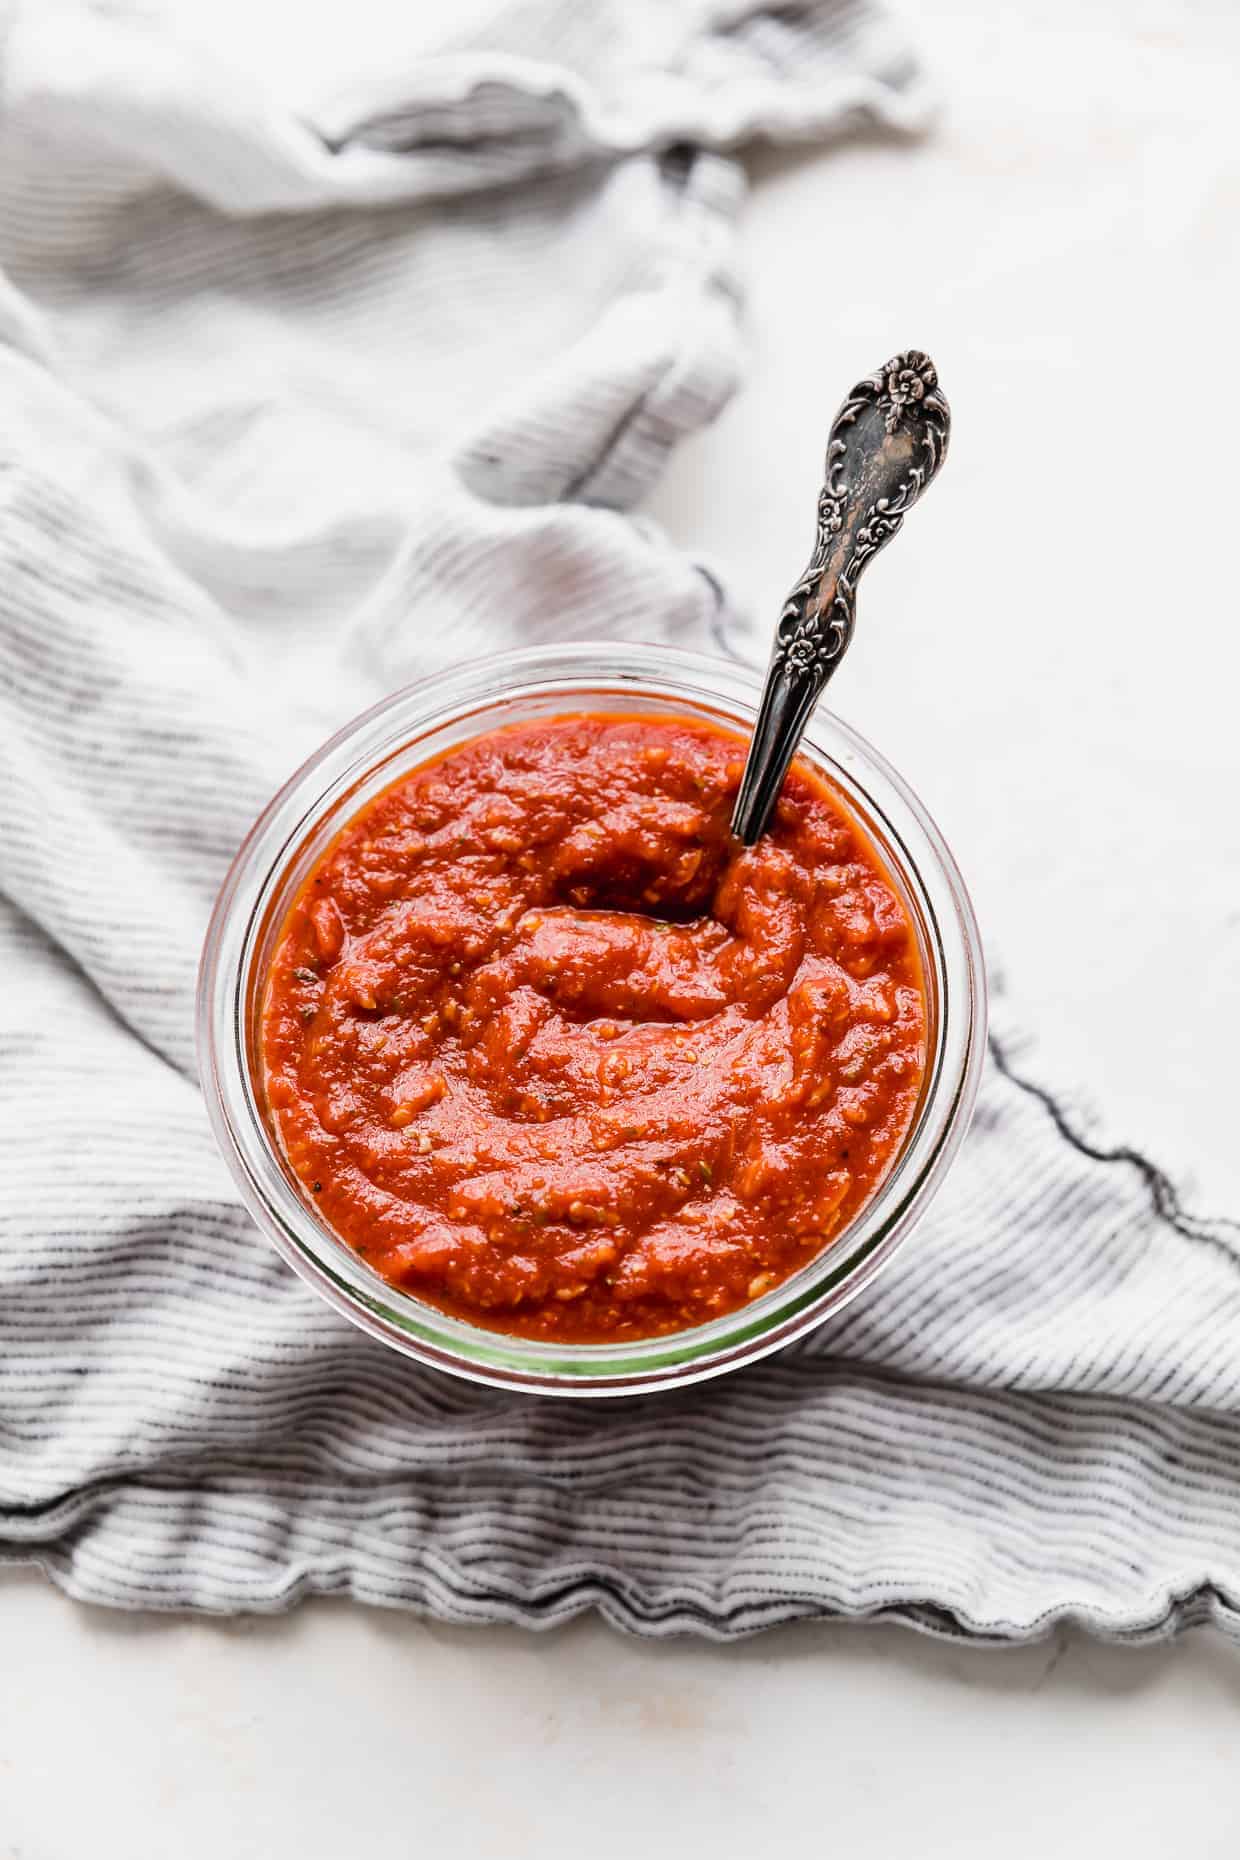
x: 297, y: 401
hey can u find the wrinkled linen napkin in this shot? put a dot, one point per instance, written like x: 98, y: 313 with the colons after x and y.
x: 296, y: 404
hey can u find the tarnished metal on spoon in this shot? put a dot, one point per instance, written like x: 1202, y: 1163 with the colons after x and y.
x: 888, y: 441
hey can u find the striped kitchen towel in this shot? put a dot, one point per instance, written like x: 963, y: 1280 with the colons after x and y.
x: 302, y: 394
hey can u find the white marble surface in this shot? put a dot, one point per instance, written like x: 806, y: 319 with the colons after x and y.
x: 339, y: 1734
x: 1051, y: 656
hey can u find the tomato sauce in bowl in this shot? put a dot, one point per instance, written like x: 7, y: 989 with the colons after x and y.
x: 553, y: 1053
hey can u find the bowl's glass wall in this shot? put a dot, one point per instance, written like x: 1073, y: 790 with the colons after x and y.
x: 422, y: 722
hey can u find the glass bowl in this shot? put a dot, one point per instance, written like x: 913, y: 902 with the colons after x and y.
x: 421, y: 722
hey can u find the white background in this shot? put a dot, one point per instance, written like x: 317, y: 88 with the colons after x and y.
x: 1050, y: 654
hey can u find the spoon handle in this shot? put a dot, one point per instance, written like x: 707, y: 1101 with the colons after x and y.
x: 888, y: 441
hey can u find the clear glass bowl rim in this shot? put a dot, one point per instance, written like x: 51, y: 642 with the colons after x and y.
x: 581, y: 675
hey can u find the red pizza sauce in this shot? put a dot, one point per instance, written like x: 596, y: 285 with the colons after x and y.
x: 552, y: 1052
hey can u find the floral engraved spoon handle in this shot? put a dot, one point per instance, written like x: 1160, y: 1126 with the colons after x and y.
x: 888, y: 441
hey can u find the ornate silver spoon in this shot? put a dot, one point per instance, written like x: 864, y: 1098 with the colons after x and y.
x: 888, y: 441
